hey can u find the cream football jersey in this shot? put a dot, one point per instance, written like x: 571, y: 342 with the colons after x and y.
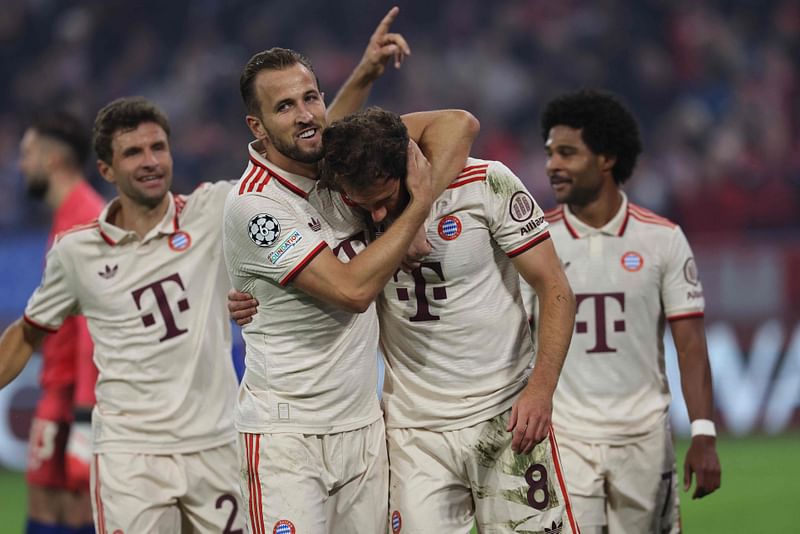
x: 310, y: 366
x: 629, y: 277
x: 454, y: 331
x: 156, y: 310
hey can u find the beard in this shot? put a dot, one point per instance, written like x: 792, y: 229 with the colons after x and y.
x: 294, y: 152
x: 37, y: 187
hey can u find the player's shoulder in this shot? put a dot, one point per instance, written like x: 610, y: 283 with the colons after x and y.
x: 204, y: 194
x: 647, y: 220
x: 475, y: 171
x: 78, y: 235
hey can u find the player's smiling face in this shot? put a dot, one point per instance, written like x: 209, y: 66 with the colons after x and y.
x: 141, y: 165
x: 576, y: 173
x: 292, y: 117
x: 384, y: 201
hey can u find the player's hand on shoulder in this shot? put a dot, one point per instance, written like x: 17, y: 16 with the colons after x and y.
x: 384, y: 45
x: 242, y: 307
x: 702, y: 462
x: 530, y: 420
x: 418, y: 177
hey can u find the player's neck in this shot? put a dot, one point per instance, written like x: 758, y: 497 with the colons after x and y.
x: 307, y: 170
x: 61, y: 185
x: 601, y: 210
x: 138, y: 218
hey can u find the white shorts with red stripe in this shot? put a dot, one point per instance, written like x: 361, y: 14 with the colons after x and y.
x: 445, y: 481
x: 167, y: 493
x: 315, y: 483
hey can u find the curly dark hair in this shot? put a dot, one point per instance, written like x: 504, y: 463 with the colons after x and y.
x: 65, y: 128
x: 363, y: 147
x: 273, y: 59
x: 607, y: 126
x: 123, y: 114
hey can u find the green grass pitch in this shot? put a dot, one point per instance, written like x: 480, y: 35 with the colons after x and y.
x: 760, y: 490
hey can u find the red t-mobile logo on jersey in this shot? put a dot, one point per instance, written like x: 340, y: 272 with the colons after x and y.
x: 157, y: 288
x: 600, y: 338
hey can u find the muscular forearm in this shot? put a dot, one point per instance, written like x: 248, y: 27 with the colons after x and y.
x: 445, y: 138
x: 352, y: 95
x: 16, y: 348
x: 690, y: 343
x: 556, y: 321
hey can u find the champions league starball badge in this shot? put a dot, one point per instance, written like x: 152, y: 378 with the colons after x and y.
x: 264, y: 230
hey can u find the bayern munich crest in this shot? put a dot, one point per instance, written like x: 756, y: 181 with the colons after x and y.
x: 632, y: 261
x: 264, y: 230
x: 284, y: 526
x: 180, y: 241
x: 397, y: 522
x: 449, y: 228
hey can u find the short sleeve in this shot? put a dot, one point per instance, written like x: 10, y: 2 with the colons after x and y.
x: 514, y: 218
x: 681, y: 291
x: 54, y: 300
x: 270, y: 239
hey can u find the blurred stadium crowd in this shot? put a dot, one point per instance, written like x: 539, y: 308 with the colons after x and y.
x: 714, y: 84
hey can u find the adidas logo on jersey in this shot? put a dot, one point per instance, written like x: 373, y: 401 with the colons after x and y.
x: 109, y: 272
x: 315, y: 225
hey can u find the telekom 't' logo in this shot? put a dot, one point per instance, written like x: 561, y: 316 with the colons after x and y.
x: 600, y: 334
x: 157, y: 288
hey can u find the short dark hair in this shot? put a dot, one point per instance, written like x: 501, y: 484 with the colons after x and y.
x: 123, y: 114
x: 67, y: 129
x: 608, y: 127
x: 273, y: 59
x: 368, y: 145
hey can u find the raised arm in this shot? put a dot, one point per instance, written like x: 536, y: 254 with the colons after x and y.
x: 382, y: 46
x: 701, y: 458
x: 445, y: 137
x: 532, y: 412
x: 17, y: 344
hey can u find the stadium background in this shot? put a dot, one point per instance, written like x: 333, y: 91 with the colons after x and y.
x: 715, y: 85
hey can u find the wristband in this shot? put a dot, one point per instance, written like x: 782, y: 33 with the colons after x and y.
x: 703, y: 427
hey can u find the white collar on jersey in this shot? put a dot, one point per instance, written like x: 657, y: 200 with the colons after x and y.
x: 615, y: 227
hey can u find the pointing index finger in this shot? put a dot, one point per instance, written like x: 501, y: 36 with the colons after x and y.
x: 386, y: 22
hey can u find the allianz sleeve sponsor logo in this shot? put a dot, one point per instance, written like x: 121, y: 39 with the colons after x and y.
x: 535, y: 223
x: 290, y: 241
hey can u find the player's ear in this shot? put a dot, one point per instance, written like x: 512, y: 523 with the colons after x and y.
x: 256, y: 127
x: 607, y: 162
x: 106, y: 171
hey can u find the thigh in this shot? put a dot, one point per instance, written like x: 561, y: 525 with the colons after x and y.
x: 135, y: 493
x: 213, y: 500
x: 584, y: 472
x: 358, y: 500
x: 429, y: 491
x: 514, y: 491
x: 642, y: 486
x: 283, y: 483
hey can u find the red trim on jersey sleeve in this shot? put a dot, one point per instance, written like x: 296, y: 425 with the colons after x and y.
x: 544, y: 236
x: 302, y: 265
x: 690, y: 315
x: 473, y: 173
x: 258, y: 178
x: 38, y: 326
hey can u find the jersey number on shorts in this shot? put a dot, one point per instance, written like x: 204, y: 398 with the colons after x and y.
x: 232, y: 517
x: 420, y: 291
x: 538, y: 494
